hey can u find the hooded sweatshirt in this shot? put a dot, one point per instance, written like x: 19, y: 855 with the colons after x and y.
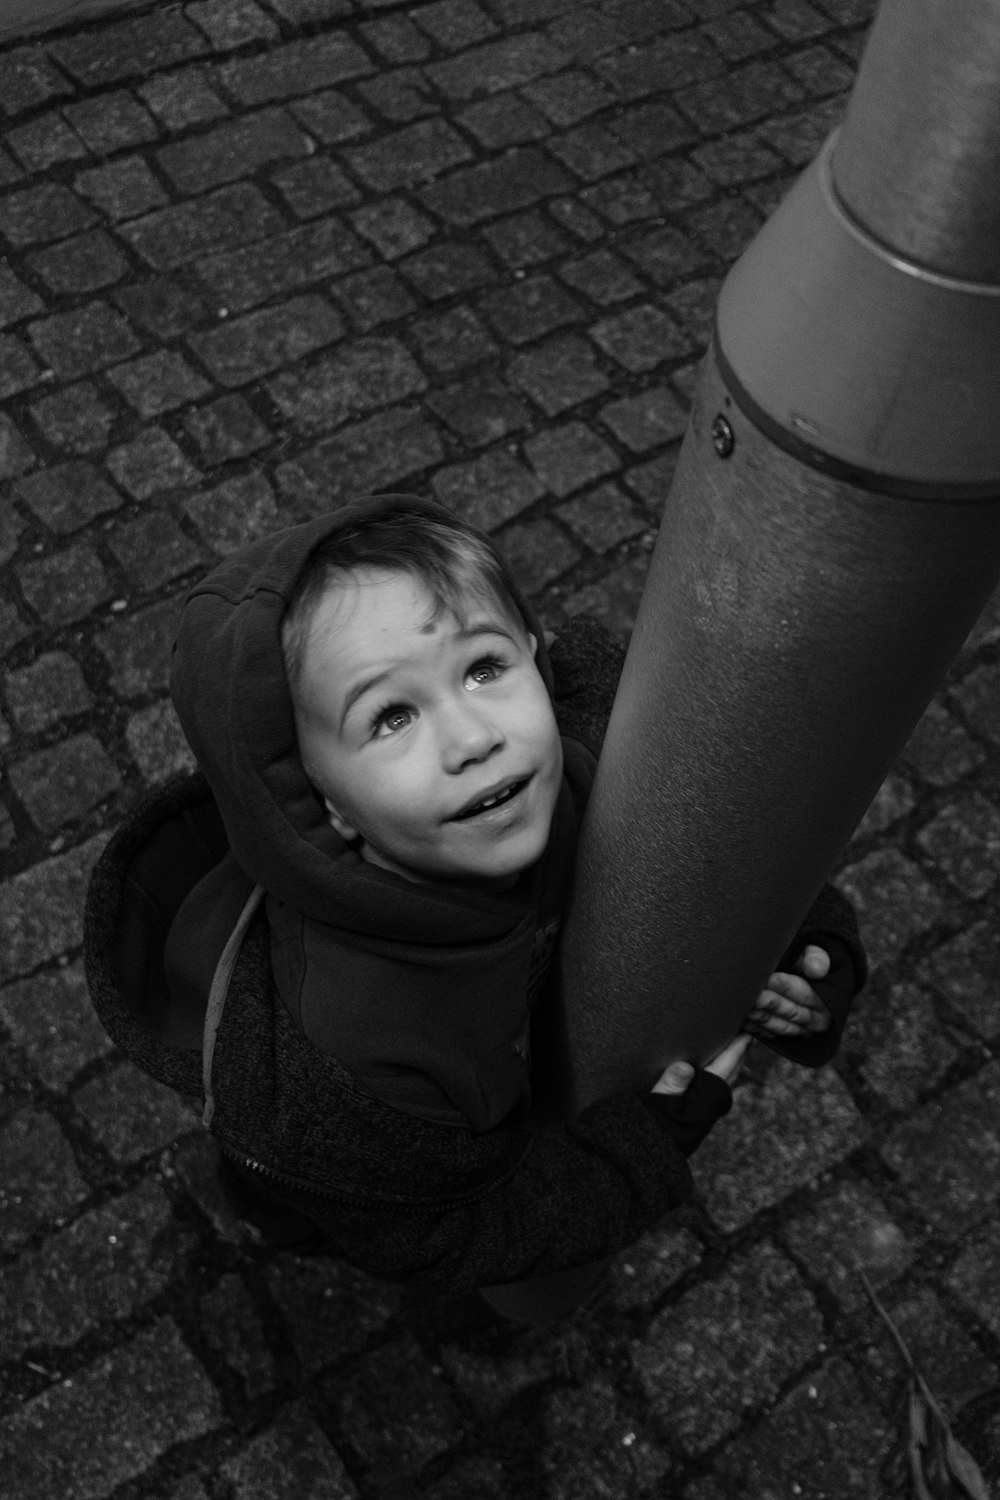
x: 422, y: 989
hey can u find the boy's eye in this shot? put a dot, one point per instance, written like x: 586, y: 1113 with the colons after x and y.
x: 390, y: 721
x: 486, y: 670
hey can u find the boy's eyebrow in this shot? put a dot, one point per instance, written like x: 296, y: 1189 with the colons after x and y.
x: 358, y: 691
x: 485, y: 627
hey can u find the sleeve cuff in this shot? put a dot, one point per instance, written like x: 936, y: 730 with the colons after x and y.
x: 690, y: 1116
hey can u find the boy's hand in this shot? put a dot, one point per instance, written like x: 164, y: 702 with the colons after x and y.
x: 725, y: 1065
x: 789, y: 1006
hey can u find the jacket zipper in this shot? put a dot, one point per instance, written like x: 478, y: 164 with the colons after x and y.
x: 312, y: 1190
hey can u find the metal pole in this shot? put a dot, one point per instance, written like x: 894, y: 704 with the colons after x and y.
x: 831, y: 535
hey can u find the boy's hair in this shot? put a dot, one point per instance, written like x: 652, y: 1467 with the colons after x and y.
x: 455, y: 561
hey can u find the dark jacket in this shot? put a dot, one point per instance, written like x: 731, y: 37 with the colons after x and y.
x: 455, y: 1201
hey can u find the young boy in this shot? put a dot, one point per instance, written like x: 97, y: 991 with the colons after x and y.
x: 371, y: 702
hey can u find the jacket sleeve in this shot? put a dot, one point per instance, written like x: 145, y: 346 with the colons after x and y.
x: 831, y: 923
x: 573, y: 1193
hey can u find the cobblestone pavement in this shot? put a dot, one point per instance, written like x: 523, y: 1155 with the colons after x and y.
x: 254, y: 250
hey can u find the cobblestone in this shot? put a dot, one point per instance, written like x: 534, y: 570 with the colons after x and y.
x: 938, y: 1343
x: 146, y: 1397
x: 51, y: 688
x: 77, y: 343
x: 444, y: 269
x: 741, y: 1337
x: 603, y: 518
x: 45, y: 142
x: 51, y: 1020
x: 798, y: 1449
x: 329, y: 1310
x: 130, y: 1114
x: 901, y: 1047
x: 755, y: 1157
x: 157, y: 744
x: 85, y: 263
x: 973, y: 1277
x: 967, y: 972
x: 293, y: 1442
x: 183, y: 98
x: 130, y: 48
x: 371, y: 298
x: 43, y: 213
x: 236, y: 148
x: 646, y: 421
x: 67, y: 496
x: 365, y: 375
x: 947, y: 1156
x: 514, y: 180
x: 136, y: 648
x: 74, y: 418
x: 41, y: 1178
x: 538, y: 552
x: 233, y: 1328
x: 453, y: 340
x: 298, y: 68
x: 559, y: 375
x: 65, y: 782
x: 850, y: 1228
x: 894, y: 902
x: 66, y: 586
x: 28, y: 79
x: 567, y: 458
x: 427, y: 1420
x: 162, y: 305
x: 505, y: 120
x: 229, y: 218
x: 245, y: 348
x: 152, y: 550
x: 112, y: 122
x: 42, y: 909
x: 105, y: 1265
x: 525, y: 239
x: 489, y: 491
x: 481, y: 409
x: 964, y: 841
x: 531, y: 309
x: 235, y: 513
x: 123, y: 189
x: 150, y: 464
x: 364, y: 457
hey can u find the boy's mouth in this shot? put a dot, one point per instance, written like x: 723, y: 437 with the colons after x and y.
x: 494, y: 798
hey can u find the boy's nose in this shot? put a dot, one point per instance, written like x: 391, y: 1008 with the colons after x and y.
x: 469, y: 736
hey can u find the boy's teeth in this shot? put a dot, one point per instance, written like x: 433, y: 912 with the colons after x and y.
x: 489, y: 802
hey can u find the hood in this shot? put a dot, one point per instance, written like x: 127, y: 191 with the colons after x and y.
x: 229, y: 688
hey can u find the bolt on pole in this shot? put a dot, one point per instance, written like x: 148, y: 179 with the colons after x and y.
x: 831, y: 535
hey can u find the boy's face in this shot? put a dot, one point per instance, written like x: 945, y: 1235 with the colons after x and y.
x: 410, y: 720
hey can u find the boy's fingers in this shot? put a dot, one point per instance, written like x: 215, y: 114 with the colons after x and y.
x: 814, y: 962
x: 674, y: 1079
x: 769, y: 1002
x: 727, y: 1063
x: 790, y: 987
x: 782, y: 1015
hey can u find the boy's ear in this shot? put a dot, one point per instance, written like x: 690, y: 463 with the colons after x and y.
x: 533, y: 640
x: 346, y: 829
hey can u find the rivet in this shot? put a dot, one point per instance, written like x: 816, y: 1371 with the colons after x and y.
x: 723, y: 439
